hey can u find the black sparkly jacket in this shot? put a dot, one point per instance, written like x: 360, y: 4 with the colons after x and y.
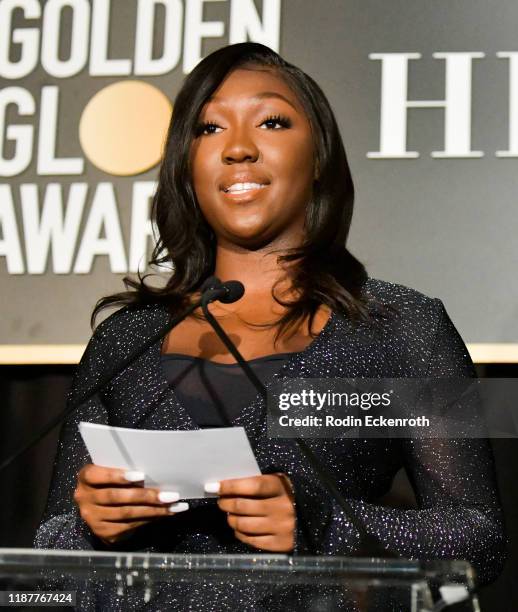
x: 458, y: 514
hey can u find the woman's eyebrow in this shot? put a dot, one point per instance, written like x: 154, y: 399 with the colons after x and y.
x: 260, y: 96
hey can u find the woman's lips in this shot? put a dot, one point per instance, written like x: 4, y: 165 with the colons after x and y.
x: 244, y: 195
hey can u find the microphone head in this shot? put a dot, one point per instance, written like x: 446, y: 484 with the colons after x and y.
x: 212, y: 282
x: 234, y: 291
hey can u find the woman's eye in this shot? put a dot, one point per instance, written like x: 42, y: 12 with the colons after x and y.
x: 207, y: 129
x: 277, y: 121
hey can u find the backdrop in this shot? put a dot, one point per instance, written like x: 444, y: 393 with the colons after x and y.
x: 425, y: 93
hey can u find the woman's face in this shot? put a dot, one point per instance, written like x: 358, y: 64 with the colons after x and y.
x: 253, y: 161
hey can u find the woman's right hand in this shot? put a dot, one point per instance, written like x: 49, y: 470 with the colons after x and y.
x: 113, y: 503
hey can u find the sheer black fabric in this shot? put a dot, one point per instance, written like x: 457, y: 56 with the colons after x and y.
x: 214, y: 393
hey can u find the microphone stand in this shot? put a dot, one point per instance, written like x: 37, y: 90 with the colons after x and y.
x: 371, y: 544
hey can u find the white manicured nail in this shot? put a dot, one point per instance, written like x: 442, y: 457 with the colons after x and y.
x: 181, y: 507
x: 212, y: 487
x: 134, y: 476
x: 167, y: 497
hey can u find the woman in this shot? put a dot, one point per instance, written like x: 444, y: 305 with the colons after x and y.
x: 255, y: 186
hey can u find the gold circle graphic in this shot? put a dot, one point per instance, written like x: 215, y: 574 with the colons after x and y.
x: 123, y: 127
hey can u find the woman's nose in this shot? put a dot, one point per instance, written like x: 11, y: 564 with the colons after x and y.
x: 239, y: 147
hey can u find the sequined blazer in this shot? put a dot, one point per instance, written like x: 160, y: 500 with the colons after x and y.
x: 458, y: 514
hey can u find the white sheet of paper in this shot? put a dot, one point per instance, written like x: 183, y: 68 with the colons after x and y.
x: 181, y: 461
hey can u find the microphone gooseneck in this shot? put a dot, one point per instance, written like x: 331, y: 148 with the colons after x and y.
x: 210, y: 290
x: 230, y: 297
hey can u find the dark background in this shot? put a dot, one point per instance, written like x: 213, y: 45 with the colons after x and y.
x: 31, y: 395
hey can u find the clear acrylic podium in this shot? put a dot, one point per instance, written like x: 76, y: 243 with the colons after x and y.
x: 253, y: 583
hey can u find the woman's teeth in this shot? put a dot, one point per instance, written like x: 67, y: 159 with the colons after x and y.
x: 237, y: 187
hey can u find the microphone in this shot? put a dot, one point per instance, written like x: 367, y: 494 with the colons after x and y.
x: 371, y: 545
x: 211, y: 289
x: 234, y: 291
x: 212, y: 282
x: 228, y: 292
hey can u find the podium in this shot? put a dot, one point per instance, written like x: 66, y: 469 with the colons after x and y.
x: 113, y: 581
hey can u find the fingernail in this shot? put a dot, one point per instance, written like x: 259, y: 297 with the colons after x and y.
x: 212, y: 487
x: 168, y: 496
x: 181, y: 507
x: 134, y: 476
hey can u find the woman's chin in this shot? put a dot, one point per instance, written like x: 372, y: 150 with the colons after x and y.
x: 251, y: 239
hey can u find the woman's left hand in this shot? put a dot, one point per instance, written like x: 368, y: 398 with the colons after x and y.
x: 260, y: 510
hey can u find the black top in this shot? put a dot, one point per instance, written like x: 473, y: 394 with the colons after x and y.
x: 215, y: 393
x: 458, y: 515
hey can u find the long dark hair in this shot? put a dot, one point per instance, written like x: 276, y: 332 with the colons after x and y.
x: 322, y: 270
